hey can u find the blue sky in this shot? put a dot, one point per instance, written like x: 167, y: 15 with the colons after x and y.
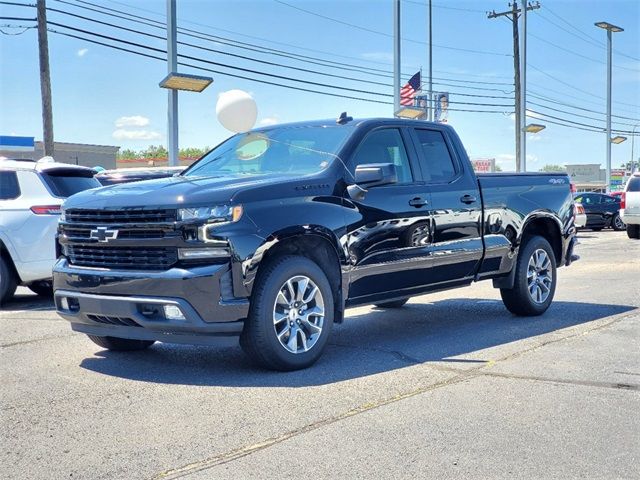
x: 105, y: 96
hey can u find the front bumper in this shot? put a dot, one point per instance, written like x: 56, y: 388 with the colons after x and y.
x: 129, y: 304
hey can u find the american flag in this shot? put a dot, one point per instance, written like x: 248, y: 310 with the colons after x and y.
x: 409, y: 90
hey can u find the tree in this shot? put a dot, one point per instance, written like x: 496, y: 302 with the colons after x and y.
x: 552, y: 168
x: 498, y: 168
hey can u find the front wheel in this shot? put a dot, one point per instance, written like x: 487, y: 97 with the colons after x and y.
x: 617, y: 224
x: 535, y: 279
x: 8, y: 282
x: 633, y: 231
x: 291, y: 315
x: 120, y: 344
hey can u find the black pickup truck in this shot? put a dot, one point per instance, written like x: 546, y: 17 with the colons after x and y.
x: 275, y: 232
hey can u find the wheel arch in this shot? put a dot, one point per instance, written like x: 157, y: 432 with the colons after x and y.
x: 313, y: 242
x: 547, y: 226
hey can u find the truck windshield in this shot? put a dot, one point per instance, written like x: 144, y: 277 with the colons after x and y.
x: 285, y: 150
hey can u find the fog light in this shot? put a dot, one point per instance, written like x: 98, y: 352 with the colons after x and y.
x: 173, y: 312
x: 198, y: 253
x: 64, y: 303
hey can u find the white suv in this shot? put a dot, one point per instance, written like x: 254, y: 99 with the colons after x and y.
x: 30, y: 197
x: 630, y: 206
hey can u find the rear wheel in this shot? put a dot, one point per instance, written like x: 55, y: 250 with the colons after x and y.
x: 394, y: 304
x: 42, y: 288
x: 535, y: 279
x: 291, y: 315
x: 120, y: 344
x: 8, y: 281
x: 617, y: 224
x: 633, y: 231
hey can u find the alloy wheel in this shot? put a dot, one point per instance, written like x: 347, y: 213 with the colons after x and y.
x: 298, y: 314
x: 539, y: 276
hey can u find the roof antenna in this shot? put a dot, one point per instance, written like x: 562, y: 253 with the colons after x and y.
x: 343, y: 118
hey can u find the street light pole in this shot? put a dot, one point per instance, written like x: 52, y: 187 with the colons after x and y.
x: 396, y: 56
x: 610, y: 29
x: 633, y: 138
x: 430, y: 102
x: 608, y: 174
x: 523, y: 88
x: 172, y: 67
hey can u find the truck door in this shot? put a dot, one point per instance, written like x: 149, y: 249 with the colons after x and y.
x: 389, y: 230
x: 456, y: 208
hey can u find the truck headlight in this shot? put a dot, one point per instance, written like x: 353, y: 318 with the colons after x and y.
x: 217, y: 214
x: 63, y: 216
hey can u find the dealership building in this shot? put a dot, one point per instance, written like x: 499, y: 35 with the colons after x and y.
x: 74, y: 153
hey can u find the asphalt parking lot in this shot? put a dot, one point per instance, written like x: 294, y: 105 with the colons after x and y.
x: 451, y: 386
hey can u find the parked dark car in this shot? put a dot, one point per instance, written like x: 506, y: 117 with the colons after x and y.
x: 275, y: 232
x: 603, y: 211
x: 127, y: 175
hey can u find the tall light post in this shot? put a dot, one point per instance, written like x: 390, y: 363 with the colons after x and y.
x: 633, y: 138
x: 610, y: 29
x: 397, y: 64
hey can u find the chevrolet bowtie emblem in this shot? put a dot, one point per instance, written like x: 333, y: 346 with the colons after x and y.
x: 103, y: 234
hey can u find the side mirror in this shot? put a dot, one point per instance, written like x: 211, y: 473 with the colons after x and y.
x: 375, y: 174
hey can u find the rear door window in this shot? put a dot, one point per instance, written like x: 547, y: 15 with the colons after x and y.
x: 66, y: 182
x: 438, y: 165
x: 9, y: 188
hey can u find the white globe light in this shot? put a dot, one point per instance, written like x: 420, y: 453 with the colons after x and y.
x: 237, y: 111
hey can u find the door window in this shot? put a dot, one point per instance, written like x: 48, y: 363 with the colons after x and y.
x: 438, y: 166
x: 385, y: 146
x: 9, y: 188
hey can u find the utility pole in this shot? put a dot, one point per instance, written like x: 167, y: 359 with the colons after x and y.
x: 430, y: 99
x: 45, y: 79
x: 520, y: 112
x: 396, y: 56
x: 172, y: 67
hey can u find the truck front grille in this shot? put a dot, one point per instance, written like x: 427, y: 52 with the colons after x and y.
x: 137, y: 258
x: 101, y: 217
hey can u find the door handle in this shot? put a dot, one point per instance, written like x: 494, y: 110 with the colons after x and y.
x: 468, y: 199
x: 418, y: 202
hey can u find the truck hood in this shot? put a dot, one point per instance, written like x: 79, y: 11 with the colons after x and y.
x: 171, y: 192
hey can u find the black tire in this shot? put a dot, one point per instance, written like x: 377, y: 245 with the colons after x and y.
x: 394, y: 304
x: 617, y: 224
x: 259, y: 339
x: 8, y: 283
x: 42, y: 288
x: 121, y: 344
x: 518, y: 300
x: 633, y: 231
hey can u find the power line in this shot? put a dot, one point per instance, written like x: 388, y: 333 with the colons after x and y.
x: 262, y: 61
x: 557, y: 102
x: 573, y: 87
x: 227, y: 73
x: 588, y: 38
x: 577, y: 54
x: 248, y: 46
x: 445, y: 7
x: 377, y: 32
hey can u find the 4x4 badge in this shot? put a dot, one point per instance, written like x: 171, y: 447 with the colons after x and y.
x: 103, y: 234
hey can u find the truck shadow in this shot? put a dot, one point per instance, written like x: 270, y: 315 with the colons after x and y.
x: 366, y: 344
x: 27, y: 301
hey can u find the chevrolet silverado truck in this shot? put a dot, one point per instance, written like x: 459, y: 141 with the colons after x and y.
x: 271, y: 235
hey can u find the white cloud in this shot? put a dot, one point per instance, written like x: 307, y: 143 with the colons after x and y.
x: 82, y: 52
x: 272, y: 120
x: 133, y: 121
x: 123, y: 134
